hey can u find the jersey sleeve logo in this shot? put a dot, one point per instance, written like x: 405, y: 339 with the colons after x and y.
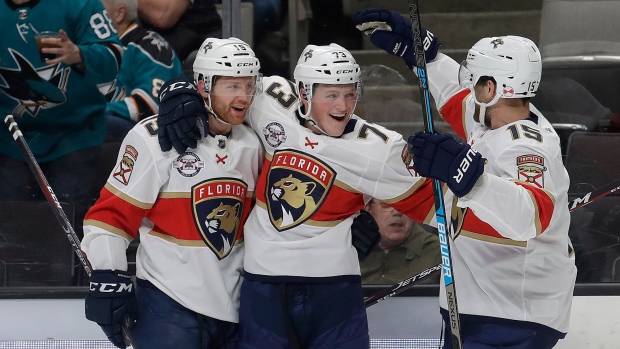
x: 124, y: 169
x: 217, y: 209
x: 531, y: 169
x: 297, y: 185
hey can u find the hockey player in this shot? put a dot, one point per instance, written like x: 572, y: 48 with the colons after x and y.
x: 513, y: 263
x: 148, y: 62
x: 302, y: 285
x: 189, y: 210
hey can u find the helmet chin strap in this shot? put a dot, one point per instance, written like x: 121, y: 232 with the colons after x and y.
x: 483, y: 108
x: 212, y: 112
x: 309, y: 118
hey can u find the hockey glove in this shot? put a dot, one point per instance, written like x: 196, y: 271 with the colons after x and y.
x: 180, y: 105
x: 440, y: 156
x: 391, y: 32
x: 364, y: 234
x: 111, y: 303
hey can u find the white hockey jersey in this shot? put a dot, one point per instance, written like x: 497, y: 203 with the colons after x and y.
x: 189, y: 211
x: 512, y: 257
x: 311, y: 187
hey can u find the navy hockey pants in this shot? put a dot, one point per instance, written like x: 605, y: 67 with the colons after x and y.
x: 165, y: 324
x: 302, y: 316
x: 481, y: 335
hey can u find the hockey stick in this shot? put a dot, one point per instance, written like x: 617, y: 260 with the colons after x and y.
x: 401, y: 286
x: 53, y: 201
x: 440, y: 208
x: 594, y: 195
x: 404, y: 285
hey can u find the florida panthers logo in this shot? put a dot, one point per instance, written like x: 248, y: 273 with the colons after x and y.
x: 297, y: 186
x: 531, y: 169
x: 124, y: 169
x: 218, y: 210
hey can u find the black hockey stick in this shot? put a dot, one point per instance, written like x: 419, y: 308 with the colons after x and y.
x: 401, y: 286
x: 440, y: 208
x: 594, y: 194
x: 53, y: 201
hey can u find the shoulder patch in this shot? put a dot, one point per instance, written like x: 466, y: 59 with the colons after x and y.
x: 531, y: 169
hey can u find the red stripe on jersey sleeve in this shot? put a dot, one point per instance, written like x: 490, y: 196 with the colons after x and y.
x: 475, y: 225
x: 453, y: 111
x: 544, y: 205
x: 419, y: 204
x: 112, y: 210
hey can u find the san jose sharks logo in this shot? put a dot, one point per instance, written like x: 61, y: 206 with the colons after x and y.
x: 297, y: 185
x: 32, y: 88
x: 218, y: 208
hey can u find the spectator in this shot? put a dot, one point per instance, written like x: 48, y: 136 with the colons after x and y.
x: 56, y: 102
x: 184, y: 23
x: 148, y: 62
x: 405, y: 248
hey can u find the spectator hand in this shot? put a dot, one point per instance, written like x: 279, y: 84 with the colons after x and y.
x: 441, y: 157
x: 364, y: 234
x: 64, y: 49
x: 180, y: 105
x: 111, y: 303
x: 391, y: 32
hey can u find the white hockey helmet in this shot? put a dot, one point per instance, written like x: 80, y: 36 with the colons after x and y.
x: 513, y: 61
x: 329, y: 64
x: 225, y: 57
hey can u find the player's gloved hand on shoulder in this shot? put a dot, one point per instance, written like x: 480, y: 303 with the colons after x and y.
x: 111, y: 303
x: 390, y: 31
x: 180, y: 105
x: 364, y: 234
x: 440, y: 156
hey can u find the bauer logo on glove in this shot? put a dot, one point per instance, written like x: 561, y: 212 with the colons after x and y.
x: 441, y: 157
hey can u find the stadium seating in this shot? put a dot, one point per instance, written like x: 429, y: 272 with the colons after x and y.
x: 34, y: 249
x: 592, y: 162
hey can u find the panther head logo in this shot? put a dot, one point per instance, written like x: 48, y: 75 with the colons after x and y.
x: 295, y: 199
x: 223, y: 220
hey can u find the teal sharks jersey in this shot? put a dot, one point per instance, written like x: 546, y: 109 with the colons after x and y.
x: 148, y: 62
x: 59, y: 107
